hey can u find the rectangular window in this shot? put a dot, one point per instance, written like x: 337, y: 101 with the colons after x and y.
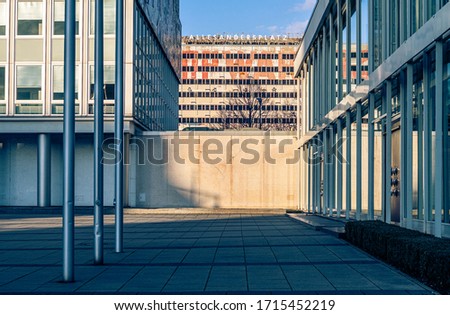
x: 109, y: 17
x: 29, y: 80
x: 108, y: 89
x: 59, y: 17
x: 2, y: 83
x: 29, y: 89
x: 58, y: 89
x: 29, y: 17
x: 3, y: 17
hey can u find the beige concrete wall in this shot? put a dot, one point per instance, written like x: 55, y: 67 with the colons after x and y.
x: 248, y: 172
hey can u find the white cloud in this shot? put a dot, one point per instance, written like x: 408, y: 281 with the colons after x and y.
x: 298, y: 27
x: 305, y: 5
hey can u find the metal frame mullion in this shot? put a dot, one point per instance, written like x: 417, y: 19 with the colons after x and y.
x: 388, y: 152
x: 358, y: 161
x: 439, y: 177
x: 427, y: 143
x: 371, y: 158
x: 348, y: 173
x: 339, y: 168
x: 409, y: 143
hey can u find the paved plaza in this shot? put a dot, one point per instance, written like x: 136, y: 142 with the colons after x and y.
x: 192, y: 254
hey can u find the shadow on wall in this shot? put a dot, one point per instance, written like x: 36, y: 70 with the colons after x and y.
x: 213, y: 170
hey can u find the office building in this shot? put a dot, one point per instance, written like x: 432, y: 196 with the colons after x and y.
x: 239, y: 81
x: 32, y: 90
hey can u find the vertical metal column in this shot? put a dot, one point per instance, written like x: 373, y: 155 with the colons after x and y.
x: 358, y: 161
x: 44, y: 170
x: 408, y: 169
x: 332, y: 91
x: 403, y: 146
x: 325, y: 170
x: 339, y: 168
x: 310, y: 183
x: 439, y: 177
x: 371, y: 158
x: 427, y: 143
x: 388, y: 153
x: 348, y: 173
x: 98, y: 134
x: 118, y: 119
x: 69, y: 143
x: 371, y: 39
x: 348, y: 55
x: 358, y: 41
x: 340, y: 53
x: 331, y: 168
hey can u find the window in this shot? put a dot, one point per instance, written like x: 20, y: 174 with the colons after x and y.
x: 58, y: 89
x: 59, y: 17
x: 3, y: 17
x: 29, y: 83
x: 2, y: 90
x: 109, y: 17
x: 29, y: 90
x: 108, y: 89
x: 29, y: 17
x: 2, y: 83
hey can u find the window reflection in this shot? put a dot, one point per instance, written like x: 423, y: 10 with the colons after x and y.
x: 29, y: 17
x: 3, y: 17
x: 109, y: 12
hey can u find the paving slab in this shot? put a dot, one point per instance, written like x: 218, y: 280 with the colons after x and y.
x: 233, y: 252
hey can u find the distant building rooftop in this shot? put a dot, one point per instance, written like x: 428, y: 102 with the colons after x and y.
x: 242, y: 40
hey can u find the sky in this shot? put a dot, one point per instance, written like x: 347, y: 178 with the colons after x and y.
x: 250, y: 17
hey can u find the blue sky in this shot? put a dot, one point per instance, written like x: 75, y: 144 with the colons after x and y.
x: 259, y: 17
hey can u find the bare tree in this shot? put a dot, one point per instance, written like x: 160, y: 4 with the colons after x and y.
x: 250, y: 107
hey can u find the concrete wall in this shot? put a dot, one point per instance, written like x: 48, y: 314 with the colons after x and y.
x: 225, y: 179
x: 18, y: 171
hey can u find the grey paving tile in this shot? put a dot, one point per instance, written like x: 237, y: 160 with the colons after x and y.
x: 267, y: 278
x: 306, y: 278
x: 189, y: 279
x: 346, y: 278
x: 149, y: 280
x: 111, y: 280
x: 170, y: 256
x: 227, y: 279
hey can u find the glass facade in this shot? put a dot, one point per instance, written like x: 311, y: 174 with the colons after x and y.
x: 396, y: 132
x: 155, y: 81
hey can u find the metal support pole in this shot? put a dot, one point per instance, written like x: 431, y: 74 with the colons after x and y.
x: 358, y: 41
x: 371, y: 158
x: 358, y: 161
x: 339, y: 52
x: 388, y: 152
x: 325, y: 170
x: 339, y: 168
x: 348, y: 48
x: 118, y: 119
x: 439, y: 176
x: 44, y: 170
x: 69, y: 143
x: 427, y: 143
x: 98, y: 135
x: 408, y: 192
x: 348, y: 172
